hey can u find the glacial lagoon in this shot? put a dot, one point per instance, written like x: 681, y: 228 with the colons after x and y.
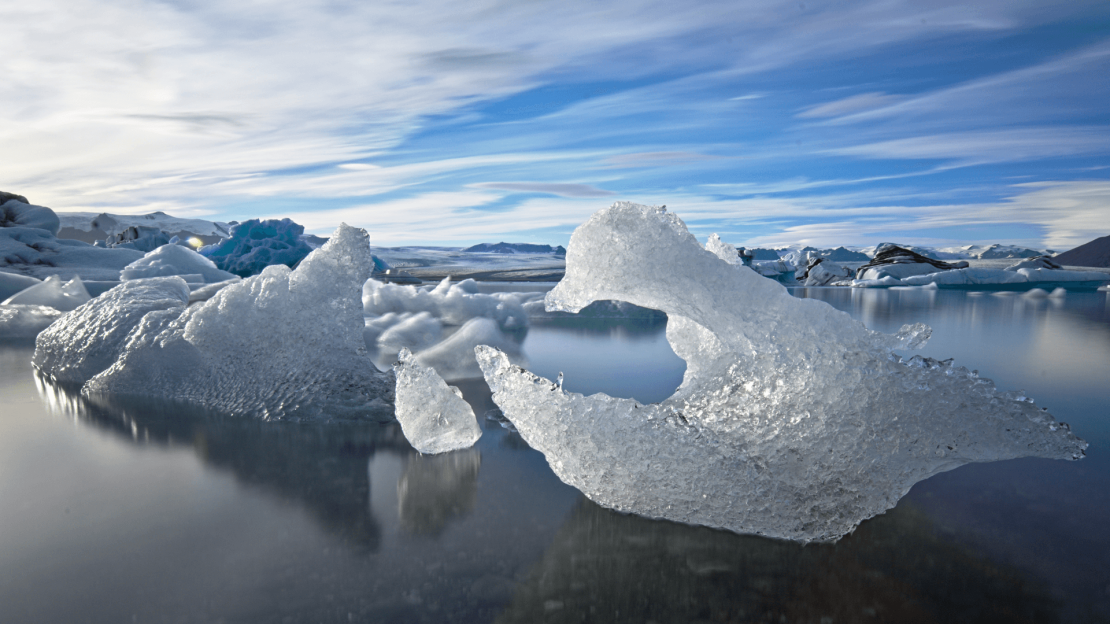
x: 121, y: 511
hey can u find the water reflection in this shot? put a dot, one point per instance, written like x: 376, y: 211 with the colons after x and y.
x: 436, y: 489
x: 321, y: 468
x: 611, y: 567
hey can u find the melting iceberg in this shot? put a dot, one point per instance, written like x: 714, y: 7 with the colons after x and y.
x: 453, y: 304
x: 792, y: 420
x: 175, y: 260
x: 434, y: 416
x: 87, y: 341
x: 256, y: 244
x: 23, y: 322
x: 64, y: 296
x: 282, y: 344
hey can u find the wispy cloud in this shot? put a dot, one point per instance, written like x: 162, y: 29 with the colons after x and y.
x: 550, y: 188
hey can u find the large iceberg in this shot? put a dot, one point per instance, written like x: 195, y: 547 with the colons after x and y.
x: 285, y: 344
x: 434, y: 416
x: 257, y: 244
x: 792, y: 420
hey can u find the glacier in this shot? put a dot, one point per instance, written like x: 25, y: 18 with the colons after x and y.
x: 792, y: 421
x: 285, y: 344
x: 434, y: 416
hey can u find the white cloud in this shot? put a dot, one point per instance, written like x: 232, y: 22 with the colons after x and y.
x: 182, y: 103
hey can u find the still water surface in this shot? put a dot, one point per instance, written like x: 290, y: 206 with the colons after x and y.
x: 126, y: 511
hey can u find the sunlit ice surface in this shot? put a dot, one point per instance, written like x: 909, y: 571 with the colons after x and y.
x: 155, y: 512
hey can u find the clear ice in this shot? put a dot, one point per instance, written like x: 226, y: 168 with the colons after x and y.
x: 89, y: 339
x: 434, y: 416
x: 284, y: 344
x: 792, y: 421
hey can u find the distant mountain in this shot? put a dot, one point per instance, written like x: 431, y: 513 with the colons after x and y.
x: 91, y: 227
x: 1093, y: 254
x: 517, y: 248
x: 989, y: 252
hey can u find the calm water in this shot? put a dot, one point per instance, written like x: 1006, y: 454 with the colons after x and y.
x: 133, y: 512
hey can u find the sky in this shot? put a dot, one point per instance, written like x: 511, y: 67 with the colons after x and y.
x: 450, y: 123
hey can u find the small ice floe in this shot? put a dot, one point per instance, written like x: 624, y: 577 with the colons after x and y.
x: 177, y: 260
x: 434, y: 416
x: 52, y: 292
x: 793, y: 420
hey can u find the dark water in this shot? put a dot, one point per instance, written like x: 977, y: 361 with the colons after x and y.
x: 121, y: 512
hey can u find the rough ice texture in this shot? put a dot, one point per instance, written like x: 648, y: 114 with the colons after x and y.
x: 452, y: 304
x: 255, y: 245
x: 138, y: 237
x: 23, y: 322
x: 175, y: 260
x: 64, y: 296
x: 433, y: 415
x: 285, y: 344
x: 792, y: 420
x: 89, y: 339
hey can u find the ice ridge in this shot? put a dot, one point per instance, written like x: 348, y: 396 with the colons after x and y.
x: 285, y: 344
x: 792, y: 421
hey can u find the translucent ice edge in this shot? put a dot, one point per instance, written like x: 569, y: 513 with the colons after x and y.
x: 793, y: 420
x: 285, y: 344
x: 434, y: 416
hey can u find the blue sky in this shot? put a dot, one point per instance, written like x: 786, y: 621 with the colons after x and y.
x: 432, y: 122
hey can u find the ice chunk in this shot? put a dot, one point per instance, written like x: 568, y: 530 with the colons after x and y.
x: 206, y: 292
x: 411, y: 331
x: 453, y: 304
x: 22, y: 322
x: 433, y: 415
x: 285, y: 344
x: 793, y: 420
x: 54, y: 293
x: 1020, y: 278
x: 11, y: 283
x: 15, y: 211
x: 255, y: 245
x: 454, y: 359
x: 88, y: 340
x: 175, y: 260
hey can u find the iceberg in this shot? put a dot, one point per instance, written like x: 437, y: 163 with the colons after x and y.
x: 434, y: 416
x: 285, y: 344
x: 821, y: 273
x: 792, y: 421
x: 138, y: 237
x: 54, y: 293
x: 1000, y: 279
x: 256, y: 244
x: 11, y: 283
x: 453, y: 304
x: 23, y: 322
x: 175, y: 260
x: 89, y: 340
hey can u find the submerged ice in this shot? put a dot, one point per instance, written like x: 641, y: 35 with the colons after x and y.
x: 792, y: 420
